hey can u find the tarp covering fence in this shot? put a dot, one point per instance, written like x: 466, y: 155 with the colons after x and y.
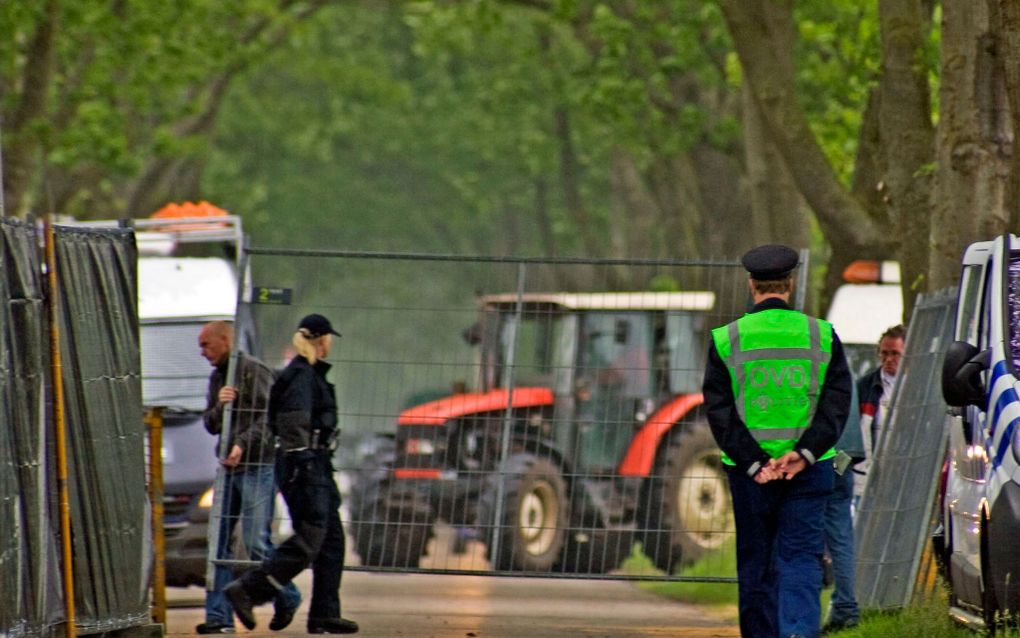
x: 29, y: 572
x: 110, y: 537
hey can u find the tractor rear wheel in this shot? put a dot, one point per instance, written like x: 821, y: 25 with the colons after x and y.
x: 532, y: 528
x: 686, y: 507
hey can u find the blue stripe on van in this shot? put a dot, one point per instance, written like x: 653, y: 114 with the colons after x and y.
x: 1003, y: 401
x: 1004, y: 442
x: 1008, y: 396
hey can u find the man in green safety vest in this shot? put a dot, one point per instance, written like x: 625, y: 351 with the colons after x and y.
x: 777, y: 393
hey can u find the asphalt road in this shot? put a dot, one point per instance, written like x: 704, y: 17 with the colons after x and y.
x: 442, y: 606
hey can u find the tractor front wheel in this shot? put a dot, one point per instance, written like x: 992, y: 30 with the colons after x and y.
x: 529, y: 533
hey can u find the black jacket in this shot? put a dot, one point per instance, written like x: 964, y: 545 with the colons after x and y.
x: 248, y: 428
x: 869, y: 396
x: 302, y: 405
x: 732, y: 434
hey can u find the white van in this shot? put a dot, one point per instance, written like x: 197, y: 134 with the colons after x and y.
x: 980, y: 502
x: 865, y: 307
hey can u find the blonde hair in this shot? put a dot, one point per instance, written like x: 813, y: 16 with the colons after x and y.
x: 304, y: 344
x: 772, y: 286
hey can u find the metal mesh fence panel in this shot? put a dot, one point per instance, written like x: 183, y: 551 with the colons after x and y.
x: 894, y: 519
x: 515, y: 416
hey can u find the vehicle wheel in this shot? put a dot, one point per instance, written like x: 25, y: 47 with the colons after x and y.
x: 532, y: 530
x: 391, y: 522
x: 989, y: 603
x: 685, y: 507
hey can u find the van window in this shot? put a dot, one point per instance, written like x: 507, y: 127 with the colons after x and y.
x: 174, y: 373
x: 970, y: 290
x: 1013, y: 309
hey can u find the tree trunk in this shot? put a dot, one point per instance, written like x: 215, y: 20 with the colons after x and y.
x: 777, y: 211
x: 634, y: 213
x: 755, y: 28
x: 973, y: 144
x: 1006, y: 20
x: 570, y: 181
x: 907, y: 138
x: 21, y: 143
x: 674, y: 183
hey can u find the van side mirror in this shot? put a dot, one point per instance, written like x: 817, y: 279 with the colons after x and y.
x: 961, y: 374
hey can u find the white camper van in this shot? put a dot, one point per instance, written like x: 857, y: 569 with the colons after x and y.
x: 870, y: 302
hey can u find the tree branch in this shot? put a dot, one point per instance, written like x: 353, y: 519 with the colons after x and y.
x: 842, y: 218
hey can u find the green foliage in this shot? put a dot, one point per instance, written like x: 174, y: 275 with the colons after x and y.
x: 127, y: 80
x: 722, y: 562
x: 838, y: 64
x: 928, y: 618
x: 421, y: 129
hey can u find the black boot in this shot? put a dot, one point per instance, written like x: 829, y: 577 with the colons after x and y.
x: 332, y: 626
x: 241, y: 602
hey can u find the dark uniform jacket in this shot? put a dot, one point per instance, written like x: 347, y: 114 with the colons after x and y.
x: 302, y: 406
x: 248, y: 427
x: 869, y: 394
x: 732, y: 434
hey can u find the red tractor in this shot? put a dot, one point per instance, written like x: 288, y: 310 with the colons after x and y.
x: 585, y: 435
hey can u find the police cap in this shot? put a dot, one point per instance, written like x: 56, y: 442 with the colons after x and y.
x: 770, y: 262
x: 317, y: 325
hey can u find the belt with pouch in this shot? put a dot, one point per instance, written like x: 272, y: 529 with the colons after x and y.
x: 318, y: 440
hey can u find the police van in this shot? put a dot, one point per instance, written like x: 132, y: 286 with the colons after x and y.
x: 980, y: 500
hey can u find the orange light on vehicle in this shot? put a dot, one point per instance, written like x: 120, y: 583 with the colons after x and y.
x: 188, y: 210
x: 863, y: 271
x: 174, y: 210
x: 411, y: 473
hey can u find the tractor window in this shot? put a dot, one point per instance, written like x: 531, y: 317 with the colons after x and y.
x: 685, y: 339
x: 538, y: 338
x: 614, y: 380
x: 616, y: 352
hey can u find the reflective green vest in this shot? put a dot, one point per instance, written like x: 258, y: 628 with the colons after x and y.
x: 777, y: 361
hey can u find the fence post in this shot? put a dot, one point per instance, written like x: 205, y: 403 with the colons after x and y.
x: 59, y: 422
x: 508, y: 418
x: 800, y: 290
x: 154, y: 421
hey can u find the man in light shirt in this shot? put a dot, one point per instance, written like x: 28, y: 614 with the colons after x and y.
x: 874, y: 391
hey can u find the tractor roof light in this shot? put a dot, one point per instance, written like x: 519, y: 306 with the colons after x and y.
x: 870, y: 271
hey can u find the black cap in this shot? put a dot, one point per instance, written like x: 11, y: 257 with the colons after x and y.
x: 770, y: 262
x: 317, y: 325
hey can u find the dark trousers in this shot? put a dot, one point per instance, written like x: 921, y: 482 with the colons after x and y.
x: 780, y: 541
x: 307, y: 485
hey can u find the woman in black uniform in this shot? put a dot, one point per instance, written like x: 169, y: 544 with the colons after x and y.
x: 302, y: 414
